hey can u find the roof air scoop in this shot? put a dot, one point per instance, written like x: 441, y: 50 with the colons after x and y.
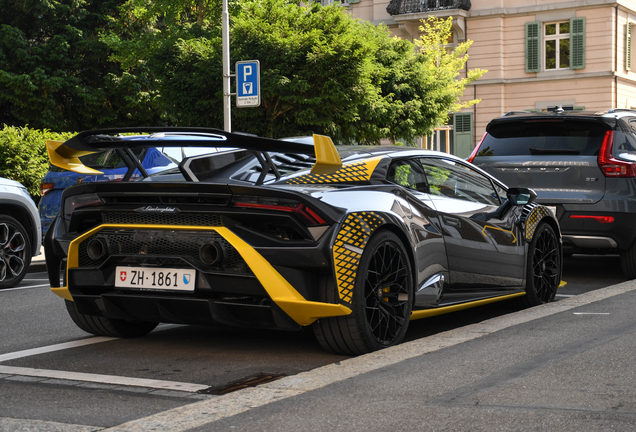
x: 327, y: 157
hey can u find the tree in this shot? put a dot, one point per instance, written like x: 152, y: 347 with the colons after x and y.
x: 321, y: 72
x: 155, y: 44
x: 317, y: 67
x: 54, y: 70
x: 90, y: 63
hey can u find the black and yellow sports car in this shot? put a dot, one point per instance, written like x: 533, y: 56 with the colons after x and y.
x: 247, y: 231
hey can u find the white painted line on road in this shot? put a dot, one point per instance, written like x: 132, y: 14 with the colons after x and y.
x: 26, y: 287
x: 104, y: 379
x: 52, y: 348
x: 207, y: 412
x: 94, y: 378
x: 566, y: 295
x: 69, y: 345
x: 11, y: 424
x: 590, y: 313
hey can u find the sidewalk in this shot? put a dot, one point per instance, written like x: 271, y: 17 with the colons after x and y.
x: 38, y: 263
x: 565, y: 366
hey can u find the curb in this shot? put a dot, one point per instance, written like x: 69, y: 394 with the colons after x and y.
x: 37, y: 266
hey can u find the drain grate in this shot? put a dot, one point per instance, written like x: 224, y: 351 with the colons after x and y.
x: 244, y: 383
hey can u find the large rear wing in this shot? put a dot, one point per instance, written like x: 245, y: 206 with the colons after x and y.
x: 66, y: 154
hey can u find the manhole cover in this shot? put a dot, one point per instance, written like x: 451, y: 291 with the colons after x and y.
x: 244, y: 383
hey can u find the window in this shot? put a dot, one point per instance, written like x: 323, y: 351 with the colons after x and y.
x: 556, y: 38
x: 408, y: 173
x: 628, y: 46
x: 516, y: 138
x: 331, y: 2
x: 624, y: 147
x: 562, y: 45
x: 455, y: 180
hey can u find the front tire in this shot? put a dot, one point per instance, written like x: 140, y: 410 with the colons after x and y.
x: 15, y: 252
x: 381, y: 302
x: 544, y: 268
x: 102, y: 326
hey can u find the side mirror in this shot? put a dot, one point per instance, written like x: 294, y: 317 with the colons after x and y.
x: 521, y: 196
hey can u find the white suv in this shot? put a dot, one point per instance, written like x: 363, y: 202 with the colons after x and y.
x: 20, y: 232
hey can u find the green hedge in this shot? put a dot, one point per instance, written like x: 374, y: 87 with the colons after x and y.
x: 23, y: 156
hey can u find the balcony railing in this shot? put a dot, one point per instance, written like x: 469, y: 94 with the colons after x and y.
x: 400, y: 7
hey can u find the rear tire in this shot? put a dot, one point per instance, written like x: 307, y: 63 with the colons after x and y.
x: 381, y: 303
x: 628, y: 261
x: 544, y: 268
x: 102, y: 326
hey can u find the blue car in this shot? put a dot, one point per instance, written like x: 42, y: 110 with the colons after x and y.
x: 111, y: 168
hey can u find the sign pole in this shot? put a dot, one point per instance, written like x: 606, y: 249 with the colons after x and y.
x: 225, y: 36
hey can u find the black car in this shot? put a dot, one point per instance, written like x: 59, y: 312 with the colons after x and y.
x: 581, y: 164
x: 354, y: 241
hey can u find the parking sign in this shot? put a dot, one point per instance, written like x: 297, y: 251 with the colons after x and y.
x: 248, y: 92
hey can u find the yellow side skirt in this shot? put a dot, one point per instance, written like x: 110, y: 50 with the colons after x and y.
x: 446, y: 309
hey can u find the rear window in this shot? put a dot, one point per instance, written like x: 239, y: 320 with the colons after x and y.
x: 624, y: 146
x: 543, y: 137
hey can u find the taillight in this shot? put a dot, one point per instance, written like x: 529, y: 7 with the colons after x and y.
x: 471, y: 158
x: 279, y: 204
x: 46, y: 188
x: 613, y: 167
x: 74, y: 202
x: 599, y: 219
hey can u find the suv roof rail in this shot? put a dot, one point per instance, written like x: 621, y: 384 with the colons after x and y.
x: 516, y: 112
x: 617, y: 110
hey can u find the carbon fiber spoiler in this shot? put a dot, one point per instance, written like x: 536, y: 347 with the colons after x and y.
x: 104, y: 139
x: 66, y: 154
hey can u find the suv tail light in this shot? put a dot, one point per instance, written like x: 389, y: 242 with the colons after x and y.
x: 599, y: 219
x: 471, y: 158
x: 46, y: 188
x: 610, y: 166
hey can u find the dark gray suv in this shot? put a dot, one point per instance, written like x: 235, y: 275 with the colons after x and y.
x: 582, y: 164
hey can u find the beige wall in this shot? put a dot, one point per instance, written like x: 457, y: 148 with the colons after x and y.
x: 497, y: 29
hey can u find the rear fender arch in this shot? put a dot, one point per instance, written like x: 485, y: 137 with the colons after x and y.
x: 350, y: 240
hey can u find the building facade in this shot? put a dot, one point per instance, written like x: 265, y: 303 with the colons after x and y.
x: 539, y: 54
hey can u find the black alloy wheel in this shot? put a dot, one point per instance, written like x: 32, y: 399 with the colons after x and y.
x: 15, y: 252
x: 381, y: 304
x: 544, y: 267
x: 386, y: 290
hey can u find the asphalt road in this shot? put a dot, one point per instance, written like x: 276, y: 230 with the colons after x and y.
x: 118, y: 375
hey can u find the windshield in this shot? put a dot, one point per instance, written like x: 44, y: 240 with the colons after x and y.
x: 534, y: 137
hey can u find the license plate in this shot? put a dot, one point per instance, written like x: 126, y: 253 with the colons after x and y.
x: 155, y: 278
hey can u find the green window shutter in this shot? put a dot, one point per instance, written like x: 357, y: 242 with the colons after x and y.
x: 628, y: 46
x: 577, y: 43
x: 532, y: 47
x: 463, y: 131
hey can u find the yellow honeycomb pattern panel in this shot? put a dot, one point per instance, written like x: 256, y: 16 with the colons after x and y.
x: 351, y: 172
x: 347, y: 250
x: 533, y: 220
